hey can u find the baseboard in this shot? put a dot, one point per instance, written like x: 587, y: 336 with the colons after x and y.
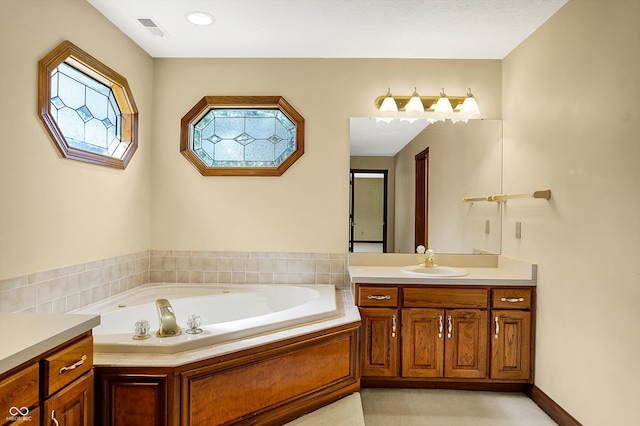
x: 549, y: 406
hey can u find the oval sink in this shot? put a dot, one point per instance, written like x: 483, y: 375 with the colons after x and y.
x: 437, y: 271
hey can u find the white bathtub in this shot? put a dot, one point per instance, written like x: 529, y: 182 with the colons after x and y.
x: 228, y: 313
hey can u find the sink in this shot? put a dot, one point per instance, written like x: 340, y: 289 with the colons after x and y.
x: 437, y: 271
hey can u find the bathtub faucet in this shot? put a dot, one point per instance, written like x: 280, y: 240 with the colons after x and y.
x: 168, y: 325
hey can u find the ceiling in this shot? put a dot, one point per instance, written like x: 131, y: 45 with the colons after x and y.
x: 452, y: 29
x: 433, y: 29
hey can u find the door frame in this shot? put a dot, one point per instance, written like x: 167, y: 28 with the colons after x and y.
x: 385, y: 196
x: 422, y: 199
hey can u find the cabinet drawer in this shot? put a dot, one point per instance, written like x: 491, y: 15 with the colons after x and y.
x: 445, y: 297
x: 17, y: 391
x: 66, y: 365
x: 511, y: 298
x: 377, y: 296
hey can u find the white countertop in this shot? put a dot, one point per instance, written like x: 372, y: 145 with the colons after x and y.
x: 505, y: 271
x: 25, y: 336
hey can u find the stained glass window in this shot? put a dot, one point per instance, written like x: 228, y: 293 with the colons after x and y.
x: 242, y: 136
x: 86, y: 107
x: 86, y: 112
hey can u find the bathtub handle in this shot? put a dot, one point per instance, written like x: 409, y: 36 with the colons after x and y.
x: 378, y: 297
x: 74, y: 366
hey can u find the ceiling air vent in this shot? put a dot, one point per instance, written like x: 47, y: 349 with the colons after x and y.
x: 153, y: 28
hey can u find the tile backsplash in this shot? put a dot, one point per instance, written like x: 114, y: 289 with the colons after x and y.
x: 71, y: 287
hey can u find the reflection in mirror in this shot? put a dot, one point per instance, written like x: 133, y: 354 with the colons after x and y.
x: 465, y: 159
x: 368, y: 211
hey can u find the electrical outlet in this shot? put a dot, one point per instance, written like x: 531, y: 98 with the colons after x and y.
x: 518, y: 229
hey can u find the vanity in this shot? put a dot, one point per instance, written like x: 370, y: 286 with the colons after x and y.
x: 46, y: 373
x: 435, y: 329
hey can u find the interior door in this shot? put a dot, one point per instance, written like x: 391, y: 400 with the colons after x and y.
x: 422, y: 199
x: 368, y: 211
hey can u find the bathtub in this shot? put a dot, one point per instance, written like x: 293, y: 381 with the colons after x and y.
x: 228, y: 313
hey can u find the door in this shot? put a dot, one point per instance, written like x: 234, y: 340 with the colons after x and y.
x: 368, y: 211
x: 510, y: 344
x: 422, y: 199
x: 71, y: 406
x: 380, y: 342
x: 422, y: 342
x: 466, y: 343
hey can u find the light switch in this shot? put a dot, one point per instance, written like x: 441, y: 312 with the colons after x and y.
x: 487, y: 226
x: 518, y: 229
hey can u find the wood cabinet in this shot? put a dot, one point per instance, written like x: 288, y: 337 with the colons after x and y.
x: 55, y: 388
x: 511, y: 345
x: 429, y: 334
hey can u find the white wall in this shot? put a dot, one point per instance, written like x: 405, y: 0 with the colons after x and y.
x: 572, y: 123
x: 53, y: 211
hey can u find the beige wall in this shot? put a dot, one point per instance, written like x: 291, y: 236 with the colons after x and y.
x: 571, y: 123
x: 465, y: 160
x: 56, y: 212
x: 306, y: 209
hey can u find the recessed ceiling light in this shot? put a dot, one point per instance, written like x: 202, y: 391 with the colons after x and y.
x: 200, y: 18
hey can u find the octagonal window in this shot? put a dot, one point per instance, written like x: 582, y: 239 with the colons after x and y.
x: 86, y: 107
x: 237, y: 136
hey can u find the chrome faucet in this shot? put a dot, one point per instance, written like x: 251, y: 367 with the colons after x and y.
x: 168, y: 325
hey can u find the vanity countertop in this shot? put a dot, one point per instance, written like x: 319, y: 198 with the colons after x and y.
x: 25, y: 336
x: 495, y: 271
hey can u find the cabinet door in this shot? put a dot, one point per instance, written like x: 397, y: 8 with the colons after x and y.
x: 511, y: 344
x: 379, y: 342
x: 466, y: 343
x: 422, y: 342
x: 71, y: 406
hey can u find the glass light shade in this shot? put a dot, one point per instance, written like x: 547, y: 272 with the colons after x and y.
x: 469, y: 108
x: 414, y: 106
x: 443, y: 106
x: 389, y: 106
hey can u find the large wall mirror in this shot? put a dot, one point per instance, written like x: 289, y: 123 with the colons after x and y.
x: 462, y: 160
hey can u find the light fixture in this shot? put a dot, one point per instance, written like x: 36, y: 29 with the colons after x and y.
x: 469, y: 108
x: 388, y: 106
x: 414, y: 106
x: 443, y: 106
x: 200, y: 18
x: 440, y: 108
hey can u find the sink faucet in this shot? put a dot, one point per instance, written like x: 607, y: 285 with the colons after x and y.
x: 168, y: 325
x: 429, y: 257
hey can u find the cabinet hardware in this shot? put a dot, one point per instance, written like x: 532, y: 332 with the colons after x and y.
x: 53, y: 417
x: 440, y: 326
x: 393, y: 326
x: 511, y: 299
x: 378, y: 297
x: 74, y: 366
x: 497, y: 328
x: 450, y: 326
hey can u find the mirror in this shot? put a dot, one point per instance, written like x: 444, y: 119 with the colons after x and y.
x: 463, y: 160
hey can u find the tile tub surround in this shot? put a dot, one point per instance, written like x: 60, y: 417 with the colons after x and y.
x: 67, y: 288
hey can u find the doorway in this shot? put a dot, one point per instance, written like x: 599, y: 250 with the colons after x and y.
x: 422, y: 199
x: 368, y: 211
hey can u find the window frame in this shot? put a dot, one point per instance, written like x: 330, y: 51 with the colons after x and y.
x: 92, y: 67
x: 207, y: 103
